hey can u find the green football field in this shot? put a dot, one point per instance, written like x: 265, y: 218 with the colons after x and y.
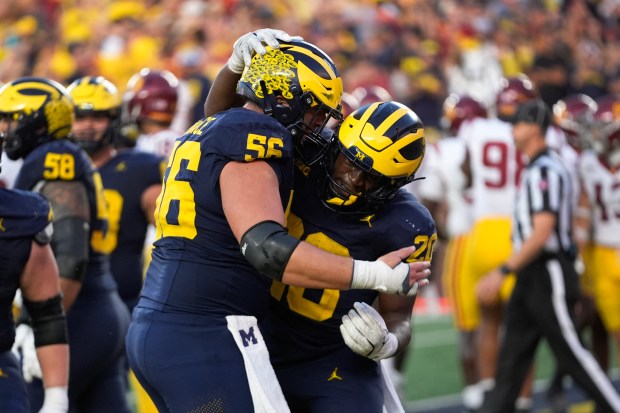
x: 433, y: 375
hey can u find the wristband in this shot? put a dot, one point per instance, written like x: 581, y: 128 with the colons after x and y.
x: 504, y: 270
x: 56, y: 398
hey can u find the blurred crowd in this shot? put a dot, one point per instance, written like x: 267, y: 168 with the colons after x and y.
x: 418, y: 50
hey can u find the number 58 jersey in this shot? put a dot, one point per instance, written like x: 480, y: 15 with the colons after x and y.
x: 62, y: 160
x: 196, y: 265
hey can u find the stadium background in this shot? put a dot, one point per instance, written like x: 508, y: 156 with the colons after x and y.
x: 418, y: 50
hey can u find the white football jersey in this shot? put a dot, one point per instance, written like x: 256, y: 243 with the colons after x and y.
x: 603, y: 189
x: 160, y: 143
x: 445, y: 182
x: 495, y: 166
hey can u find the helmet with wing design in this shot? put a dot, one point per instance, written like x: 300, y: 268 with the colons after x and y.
x: 37, y: 110
x: 291, y: 81
x: 385, y: 142
x: 96, y: 97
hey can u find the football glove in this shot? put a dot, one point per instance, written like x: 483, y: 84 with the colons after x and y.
x: 56, y: 400
x: 364, y: 331
x: 24, y: 349
x: 251, y: 43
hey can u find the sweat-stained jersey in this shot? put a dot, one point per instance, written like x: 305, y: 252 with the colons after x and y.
x: 125, y: 178
x: 306, y: 321
x: 197, y: 266
x: 23, y: 215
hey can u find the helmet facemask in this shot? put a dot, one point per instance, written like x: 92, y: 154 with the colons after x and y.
x: 25, y: 132
x: 93, y: 140
x: 340, y: 199
x: 385, y: 142
x: 37, y: 110
x: 98, y: 99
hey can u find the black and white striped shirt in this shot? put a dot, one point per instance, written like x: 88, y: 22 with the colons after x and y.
x: 546, y: 185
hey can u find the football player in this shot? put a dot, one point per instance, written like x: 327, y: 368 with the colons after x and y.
x: 37, y: 118
x: 27, y: 263
x: 131, y: 180
x: 599, y: 176
x: 574, y: 116
x: 351, y: 204
x: 222, y: 239
x: 443, y: 189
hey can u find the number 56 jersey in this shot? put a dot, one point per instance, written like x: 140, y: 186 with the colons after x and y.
x: 197, y: 266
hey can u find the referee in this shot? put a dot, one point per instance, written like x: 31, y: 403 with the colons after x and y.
x: 547, y: 286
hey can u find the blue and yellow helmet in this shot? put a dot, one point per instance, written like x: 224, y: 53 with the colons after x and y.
x: 39, y: 110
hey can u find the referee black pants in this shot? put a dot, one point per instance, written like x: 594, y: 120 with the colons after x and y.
x: 542, y: 306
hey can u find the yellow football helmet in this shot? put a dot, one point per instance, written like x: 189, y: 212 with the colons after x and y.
x: 385, y: 140
x: 38, y: 111
x: 305, y: 77
x: 96, y: 96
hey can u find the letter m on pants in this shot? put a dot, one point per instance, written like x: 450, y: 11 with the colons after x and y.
x: 248, y: 337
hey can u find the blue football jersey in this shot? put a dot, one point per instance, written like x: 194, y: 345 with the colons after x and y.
x: 23, y: 214
x: 197, y: 265
x: 307, y: 320
x: 62, y: 160
x: 125, y: 178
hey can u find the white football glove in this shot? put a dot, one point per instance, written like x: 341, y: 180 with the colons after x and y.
x: 56, y: 400
x: 379, y: 276
x: 251, y: 43
x: 24, y: 349
x: 364, y: 331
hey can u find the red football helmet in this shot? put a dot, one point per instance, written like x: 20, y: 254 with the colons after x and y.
x: 152, y: 94
x: 371, y: 94
x: 606, y: 128
x: 574, y: 115
x: 513, y: 92
x: 457, y: 109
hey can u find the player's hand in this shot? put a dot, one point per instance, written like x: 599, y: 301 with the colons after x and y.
x: 24, y: 348
x: 250, y: 43
x: 488, y: 288
x: 364, y: 331
x: 56, y: 400
x: 389, y: 274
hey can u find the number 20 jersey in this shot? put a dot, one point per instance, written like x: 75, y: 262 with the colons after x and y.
x: 197, y: 266
x: 306, y: 322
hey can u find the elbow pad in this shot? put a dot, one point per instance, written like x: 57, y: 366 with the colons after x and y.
x: 48, y: 321
x: 268, y: 247
x: 71, y: 244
